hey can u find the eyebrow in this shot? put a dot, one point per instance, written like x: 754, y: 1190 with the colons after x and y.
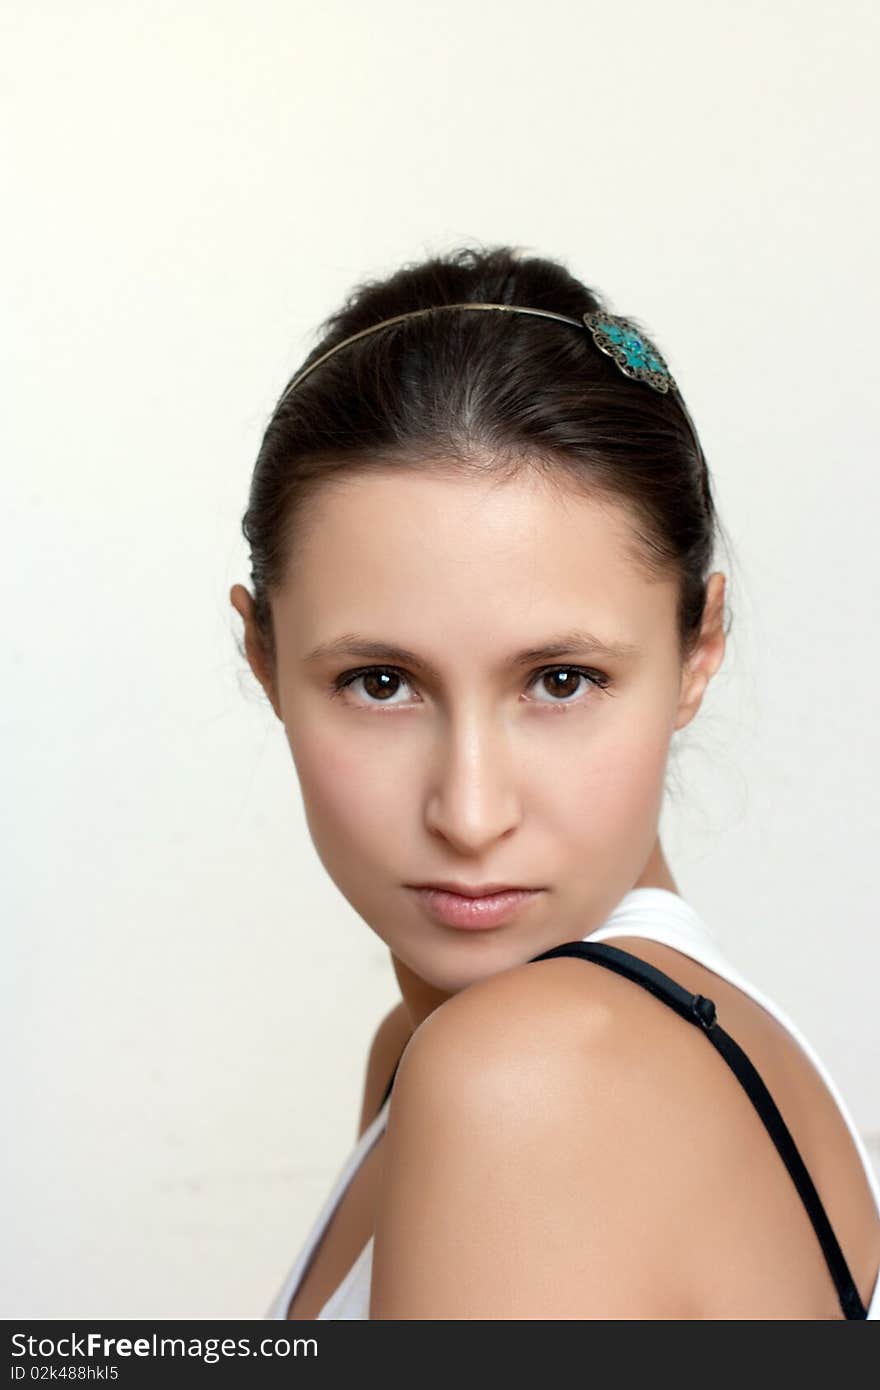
x: 563, y: 644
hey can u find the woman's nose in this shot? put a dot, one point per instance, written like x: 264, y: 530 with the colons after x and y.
x: 472, y: 797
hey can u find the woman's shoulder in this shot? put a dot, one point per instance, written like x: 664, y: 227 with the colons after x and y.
x: 585, y: 1137
x: 540, y: 1151
x: 568, y: 1030
x: 561, y: 1013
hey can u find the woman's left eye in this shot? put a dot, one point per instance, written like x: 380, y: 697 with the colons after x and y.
x: 570, y: 674
x: 566, y: 678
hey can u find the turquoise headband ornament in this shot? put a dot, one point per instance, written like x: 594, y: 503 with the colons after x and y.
x: 634, y: 354
x: 618, y: 337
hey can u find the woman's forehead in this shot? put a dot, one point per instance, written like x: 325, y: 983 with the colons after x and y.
x: 422, y: 517
x: 393, y: 554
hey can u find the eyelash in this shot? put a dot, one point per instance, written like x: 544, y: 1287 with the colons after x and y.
x: 597, y: 679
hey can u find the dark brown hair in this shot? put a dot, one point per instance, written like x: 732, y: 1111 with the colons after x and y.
x: 488, y: 394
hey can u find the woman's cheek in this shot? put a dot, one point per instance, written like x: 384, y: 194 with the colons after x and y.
x: 620, y: 785
x: 351, y: 795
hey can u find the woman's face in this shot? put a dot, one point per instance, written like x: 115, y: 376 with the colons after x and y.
x: 463, y: 760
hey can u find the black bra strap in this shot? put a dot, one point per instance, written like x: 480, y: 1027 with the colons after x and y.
x: 699, y: 1010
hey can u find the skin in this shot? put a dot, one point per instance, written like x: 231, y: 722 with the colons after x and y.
x: 482, y: 771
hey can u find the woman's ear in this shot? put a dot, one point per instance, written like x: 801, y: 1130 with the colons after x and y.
x: 708, y: 654
x: 243, y: 604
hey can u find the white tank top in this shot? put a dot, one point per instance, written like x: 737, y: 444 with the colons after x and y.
x: 655, y: 914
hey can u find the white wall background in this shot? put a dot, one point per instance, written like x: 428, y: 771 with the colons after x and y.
x: 189, y: 188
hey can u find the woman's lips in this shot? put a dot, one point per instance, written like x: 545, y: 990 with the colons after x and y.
x: 474, y: 914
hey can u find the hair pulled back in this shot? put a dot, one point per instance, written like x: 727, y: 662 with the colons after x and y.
x: 487, y: 394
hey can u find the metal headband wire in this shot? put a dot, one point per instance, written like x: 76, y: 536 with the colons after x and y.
x: 417, y: 313
x: 613, y: 334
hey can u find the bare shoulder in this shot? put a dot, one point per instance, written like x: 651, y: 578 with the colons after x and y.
x: 561, y: 1144
x: 557, y: 1018
x: 389, y: 1040
x: 539, y: 1155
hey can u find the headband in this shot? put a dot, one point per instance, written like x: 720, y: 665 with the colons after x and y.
x: 634, y: 353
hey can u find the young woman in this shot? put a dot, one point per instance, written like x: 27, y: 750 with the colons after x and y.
x: 482, y: 529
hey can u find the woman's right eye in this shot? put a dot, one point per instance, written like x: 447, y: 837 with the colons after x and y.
x: 379, y: 681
